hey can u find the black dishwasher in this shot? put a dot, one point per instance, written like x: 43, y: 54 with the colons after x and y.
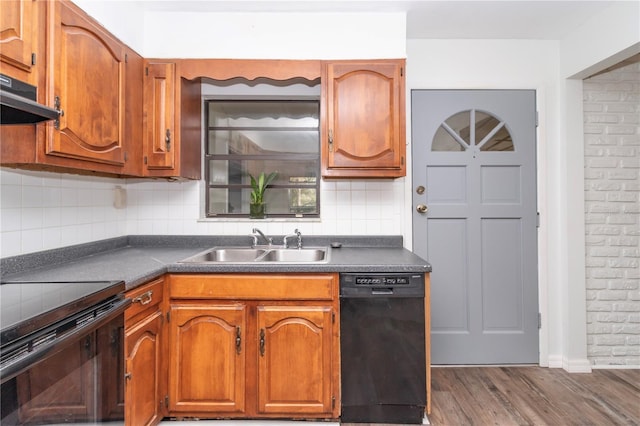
x: 382, y: 338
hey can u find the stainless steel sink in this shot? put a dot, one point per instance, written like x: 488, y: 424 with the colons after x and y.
x: 294, y: 255
x: 226, y: 255
x: 252, y: 255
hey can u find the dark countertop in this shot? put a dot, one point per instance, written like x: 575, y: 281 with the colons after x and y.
x: 139, y: 259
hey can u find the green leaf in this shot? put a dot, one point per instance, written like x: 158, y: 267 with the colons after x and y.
x: 259, y: 186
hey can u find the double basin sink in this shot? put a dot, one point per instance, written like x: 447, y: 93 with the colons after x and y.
x: 267, y: 254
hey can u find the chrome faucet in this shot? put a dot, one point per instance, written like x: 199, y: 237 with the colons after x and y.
x: 256, y: 233
x: 298, y: 236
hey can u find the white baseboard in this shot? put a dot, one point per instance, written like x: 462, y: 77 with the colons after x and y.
x: 570, y: 365
x: 615, y: 367
x: 577, y: 365
x: 554, y: 361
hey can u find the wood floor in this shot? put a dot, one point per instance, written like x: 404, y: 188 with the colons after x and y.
x: 534, y: 396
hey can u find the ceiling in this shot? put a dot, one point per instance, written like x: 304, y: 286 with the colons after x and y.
x: 515, y: 19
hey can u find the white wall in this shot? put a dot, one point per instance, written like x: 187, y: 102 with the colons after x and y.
x: 612, y: 204
x: 275, y: 35
x: 606, y: 39
x: 122, y: 18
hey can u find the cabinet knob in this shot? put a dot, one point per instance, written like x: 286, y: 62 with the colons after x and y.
x: 421, y: 208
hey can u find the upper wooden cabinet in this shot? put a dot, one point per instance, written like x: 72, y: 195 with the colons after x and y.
x: 18, y: 38
x: 159, y: 115
x: 363, y: 134
x: 172, y: 130
x: 87, y: 67
x: 129, y: 116
x: 96, y: 81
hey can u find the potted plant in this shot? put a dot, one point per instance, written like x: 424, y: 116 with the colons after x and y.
x: 258, y: 187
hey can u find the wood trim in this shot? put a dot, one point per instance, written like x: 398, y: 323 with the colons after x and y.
x: 427, y: 334
x: 251, y: 69
x: 255, y: 286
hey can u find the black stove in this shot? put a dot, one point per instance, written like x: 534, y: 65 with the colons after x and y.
x: 27, y: 306
x: 60, y: 345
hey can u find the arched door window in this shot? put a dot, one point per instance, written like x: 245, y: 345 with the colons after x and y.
x: 472, y: 128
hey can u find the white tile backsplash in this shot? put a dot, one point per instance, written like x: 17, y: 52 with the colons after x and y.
x: 44, y: 210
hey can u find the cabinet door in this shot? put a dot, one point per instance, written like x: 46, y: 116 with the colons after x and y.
x: 88, y: 70
x: 207, y: 358
x: 143, y: 364
x: 294, y: 359
x: 17, y: 37
x: 159, y: 116
x: 365, y: 135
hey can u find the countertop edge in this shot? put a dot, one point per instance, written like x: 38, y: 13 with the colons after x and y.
x: 144, y: 258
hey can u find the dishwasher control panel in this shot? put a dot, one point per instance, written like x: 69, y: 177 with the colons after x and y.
x: 382, y: 280
x: 374, y: 284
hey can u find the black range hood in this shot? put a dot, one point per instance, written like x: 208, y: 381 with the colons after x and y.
x: 19, y: 103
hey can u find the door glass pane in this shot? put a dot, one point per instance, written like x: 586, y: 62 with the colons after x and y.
x: 459, y: 124
x: 500, y: 141
x: 485, y: 124
x: 443, y: 141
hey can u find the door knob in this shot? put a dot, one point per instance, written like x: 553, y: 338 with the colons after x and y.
x: 421, y: 208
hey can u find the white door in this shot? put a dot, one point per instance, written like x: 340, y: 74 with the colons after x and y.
x: 475, y: 221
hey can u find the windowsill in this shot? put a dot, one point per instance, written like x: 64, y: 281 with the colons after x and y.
x: 266, y: 219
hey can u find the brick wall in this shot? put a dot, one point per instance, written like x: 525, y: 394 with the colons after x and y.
x: 612, y: 206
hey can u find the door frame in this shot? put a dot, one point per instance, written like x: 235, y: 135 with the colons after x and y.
x: 541, y: 200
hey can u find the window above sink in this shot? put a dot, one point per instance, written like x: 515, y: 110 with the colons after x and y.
x: 250, y: 134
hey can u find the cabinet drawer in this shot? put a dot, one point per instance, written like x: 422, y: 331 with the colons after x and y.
x: 144, y: 298
x: 254, y: 286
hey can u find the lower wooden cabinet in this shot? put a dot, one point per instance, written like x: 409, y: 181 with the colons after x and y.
x: 232, y: 346
x: 145, y: 355
x: 294, y: 359
x: 251, y: 346
x: 208, y: 358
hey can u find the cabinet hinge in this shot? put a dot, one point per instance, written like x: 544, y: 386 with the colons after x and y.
x: 402, y: 160
x: 126, y: 157
x: 539, y: 320
x: 145, y: 159
x: 33, y: 59
x: 401, y: 71
x: 169, y: 316
x: 333, y: 402
x: 146, y: 71
x: 537, y: 219
x: 333, y: 317
x: 126, y: 58
x: 166, y: 401
x: 537, y: 118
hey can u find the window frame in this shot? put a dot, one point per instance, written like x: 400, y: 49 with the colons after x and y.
x: 208, y: 157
